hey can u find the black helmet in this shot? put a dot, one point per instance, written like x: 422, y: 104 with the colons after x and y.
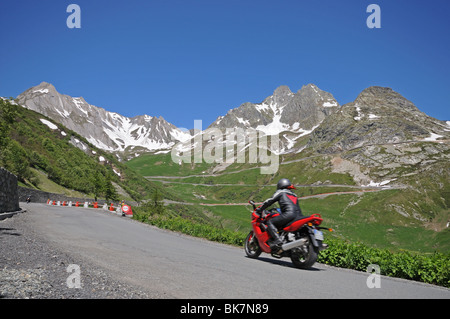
x: 285, y: 183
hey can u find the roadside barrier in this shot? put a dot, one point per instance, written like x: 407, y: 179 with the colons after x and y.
x: 124, y: 210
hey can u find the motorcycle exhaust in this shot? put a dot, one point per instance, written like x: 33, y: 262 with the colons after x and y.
x: 293, y: 244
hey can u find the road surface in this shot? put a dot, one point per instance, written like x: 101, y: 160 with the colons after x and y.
x: 180, y: 266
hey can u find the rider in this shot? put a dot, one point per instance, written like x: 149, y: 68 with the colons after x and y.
x: 289, y: 207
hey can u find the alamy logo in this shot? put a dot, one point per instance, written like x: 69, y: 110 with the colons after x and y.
x: 373, y: 20
x: 234, y: 145
x: 374, y: 279
x: 74, y: 279
x: 73, y: 20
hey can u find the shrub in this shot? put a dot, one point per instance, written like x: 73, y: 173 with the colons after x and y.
x: 433, y: 269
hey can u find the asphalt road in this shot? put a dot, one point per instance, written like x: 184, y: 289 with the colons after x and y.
x: 180, y: 266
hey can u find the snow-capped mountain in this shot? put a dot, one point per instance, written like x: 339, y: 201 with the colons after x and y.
x: 283, y: 111
x: 106, y: 130
x: 290, y: 115
x: 310, y: 111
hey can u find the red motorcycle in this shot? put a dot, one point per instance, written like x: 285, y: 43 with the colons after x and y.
x: 302, y: 238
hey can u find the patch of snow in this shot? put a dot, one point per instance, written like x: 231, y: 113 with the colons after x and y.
x: 276, y: 126
x: 119, y: 134
x: 329, y: 104
x: 179, y: 135
x: 49, y: 124
x: 65, y: 113
x: 219, y: 119
x: 100, y: 144
x: 117, y: 173
x: 78, y: 103
x: 41, y: 91
x: 290, y: 141
x: 162, y: 152
x: 63, y: 133
x: 262, y: 107
x: 360, y: 115
x: 306, y: 132
x: 373, y: 116
x: 300, y: 149
x: 433, y: 137
x: 373, y: 184
x: 242, y: 121
x: 101, y: 159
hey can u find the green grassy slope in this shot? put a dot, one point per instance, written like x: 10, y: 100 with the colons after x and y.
x: 412, y: 218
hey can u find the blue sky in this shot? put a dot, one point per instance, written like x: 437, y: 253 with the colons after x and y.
x: 196, y: 59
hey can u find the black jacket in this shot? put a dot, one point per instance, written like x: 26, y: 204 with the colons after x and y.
x: 287, y: 200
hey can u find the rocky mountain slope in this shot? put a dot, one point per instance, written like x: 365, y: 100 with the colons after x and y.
x: 106, y: 130
x: 298, y: 112
x: 381, y: 136
x: 286, y: 114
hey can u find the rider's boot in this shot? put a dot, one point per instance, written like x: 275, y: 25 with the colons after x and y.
x: 276, y: 242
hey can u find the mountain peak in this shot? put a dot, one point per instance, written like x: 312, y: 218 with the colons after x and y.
x: 43, y: 87
x: 282, y: 90
x: 376, y: 96
x: 377, y: 91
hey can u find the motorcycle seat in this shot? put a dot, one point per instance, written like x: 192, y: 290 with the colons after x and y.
x: 294, y: 220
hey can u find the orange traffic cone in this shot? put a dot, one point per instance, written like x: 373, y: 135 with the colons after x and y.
x: 111, y: 208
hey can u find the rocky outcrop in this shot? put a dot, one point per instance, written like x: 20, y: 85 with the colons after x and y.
x: 377, y: 116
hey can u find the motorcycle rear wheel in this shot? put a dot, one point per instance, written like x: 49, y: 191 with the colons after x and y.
x: 251, y: 246
x: 305, y: 259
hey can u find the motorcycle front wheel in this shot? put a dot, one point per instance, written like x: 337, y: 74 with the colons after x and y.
x: 251, y: 246
x: 304, y: 257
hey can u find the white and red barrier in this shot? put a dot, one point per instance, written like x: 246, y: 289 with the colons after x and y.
x: 124, y: 210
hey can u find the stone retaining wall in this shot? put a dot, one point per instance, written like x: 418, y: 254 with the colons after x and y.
x: 9, y: 198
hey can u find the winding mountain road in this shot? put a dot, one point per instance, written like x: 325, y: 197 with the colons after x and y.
x: 180, y: 266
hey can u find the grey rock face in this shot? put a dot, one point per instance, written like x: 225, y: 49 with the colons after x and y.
x: 377, y: 116
x: 283, y: 111
x: 106, y: 130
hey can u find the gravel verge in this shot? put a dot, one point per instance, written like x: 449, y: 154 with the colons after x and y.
x: 31, y: 268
